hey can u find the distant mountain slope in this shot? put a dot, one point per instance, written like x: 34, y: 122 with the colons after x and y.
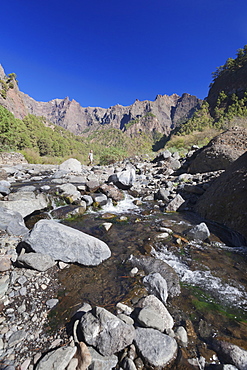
x: 160, y: 115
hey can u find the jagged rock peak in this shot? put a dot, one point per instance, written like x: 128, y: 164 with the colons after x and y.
x: 172, y: 96
x: 160, y: 115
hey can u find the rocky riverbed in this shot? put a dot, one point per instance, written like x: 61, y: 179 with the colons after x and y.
x: 139, y: 333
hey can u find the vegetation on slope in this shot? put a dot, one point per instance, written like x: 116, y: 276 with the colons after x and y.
x: 232, y: 64
x: 230, y: 110
x: 42, y: 142
x: 7, y: 83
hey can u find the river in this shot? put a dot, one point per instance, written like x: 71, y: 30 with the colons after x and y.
x: 212, y: 275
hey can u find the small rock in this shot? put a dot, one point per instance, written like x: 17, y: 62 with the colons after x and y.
x: 25, y: 364
x: 52, y: 303
x: 45, y: 188
x: 175, y: 204
x: 16, y: 337
x: 123, y: 308
x: 62, y: 265
x: 107, y: 225
x: 162, y: 236
x: 134, y: 271
x: 128, y: 364
x: 23, y: 291
x: 181, y: 336
x: 149, y: 318
x: 4, y: 187
x: 5, y: 263
x: 199, y: 232
x: 156, y: 285
x: 22, y: 280
x: 4, y: 284
x: 102, y: 362
x: 37, y: 261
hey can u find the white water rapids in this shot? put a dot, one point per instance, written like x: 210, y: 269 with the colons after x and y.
x: 228, y: 293
x: 124, y: 206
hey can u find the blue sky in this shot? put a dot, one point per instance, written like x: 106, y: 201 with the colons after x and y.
x: 105, y: 52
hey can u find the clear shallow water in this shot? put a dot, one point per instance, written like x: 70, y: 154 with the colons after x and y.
x: 212, y: 273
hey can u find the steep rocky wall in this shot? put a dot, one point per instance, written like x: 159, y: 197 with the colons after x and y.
x: 164, y: 113
x: 230, y: 82
x: 225, y: 201
x: 220, y: 152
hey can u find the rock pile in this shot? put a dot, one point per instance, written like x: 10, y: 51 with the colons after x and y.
x: 139, y: 336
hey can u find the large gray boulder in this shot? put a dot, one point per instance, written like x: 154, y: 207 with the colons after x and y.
x: 25, y: 202
x: 69, y: 192
x: 12, y: 222
x: 106, y: 332
x: 100, y: 199
x: 156, y: 348
x: 153, y: 303
x: 71, y: 165
x: 67, y: 244
x: 149, y: 318
x: 231, y: 353
x: 112, y: 192
x: 124, y: 179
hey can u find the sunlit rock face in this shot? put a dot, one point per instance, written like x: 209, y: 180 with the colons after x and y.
x: 160, y: 115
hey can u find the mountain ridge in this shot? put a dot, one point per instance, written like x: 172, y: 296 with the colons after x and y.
x: 160, y: 115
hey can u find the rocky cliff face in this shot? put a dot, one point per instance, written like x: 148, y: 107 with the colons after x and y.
x: 225, y: 200
x: 220, y: 152
x: 230, y: 82
x: 13, y: 101
x: 160, y: 115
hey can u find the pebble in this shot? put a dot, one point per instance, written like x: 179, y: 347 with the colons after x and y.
x: 23, y: 291
x: 62, y: 265
x: 52, y: 303
x: 134, y: 271
x: 5, y: 263
x: 22, y: 280
x: 16, y: 337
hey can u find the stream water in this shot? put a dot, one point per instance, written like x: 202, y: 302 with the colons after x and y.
x: 213, y: 275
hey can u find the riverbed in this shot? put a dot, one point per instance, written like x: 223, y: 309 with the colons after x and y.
x: 212, y: 274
